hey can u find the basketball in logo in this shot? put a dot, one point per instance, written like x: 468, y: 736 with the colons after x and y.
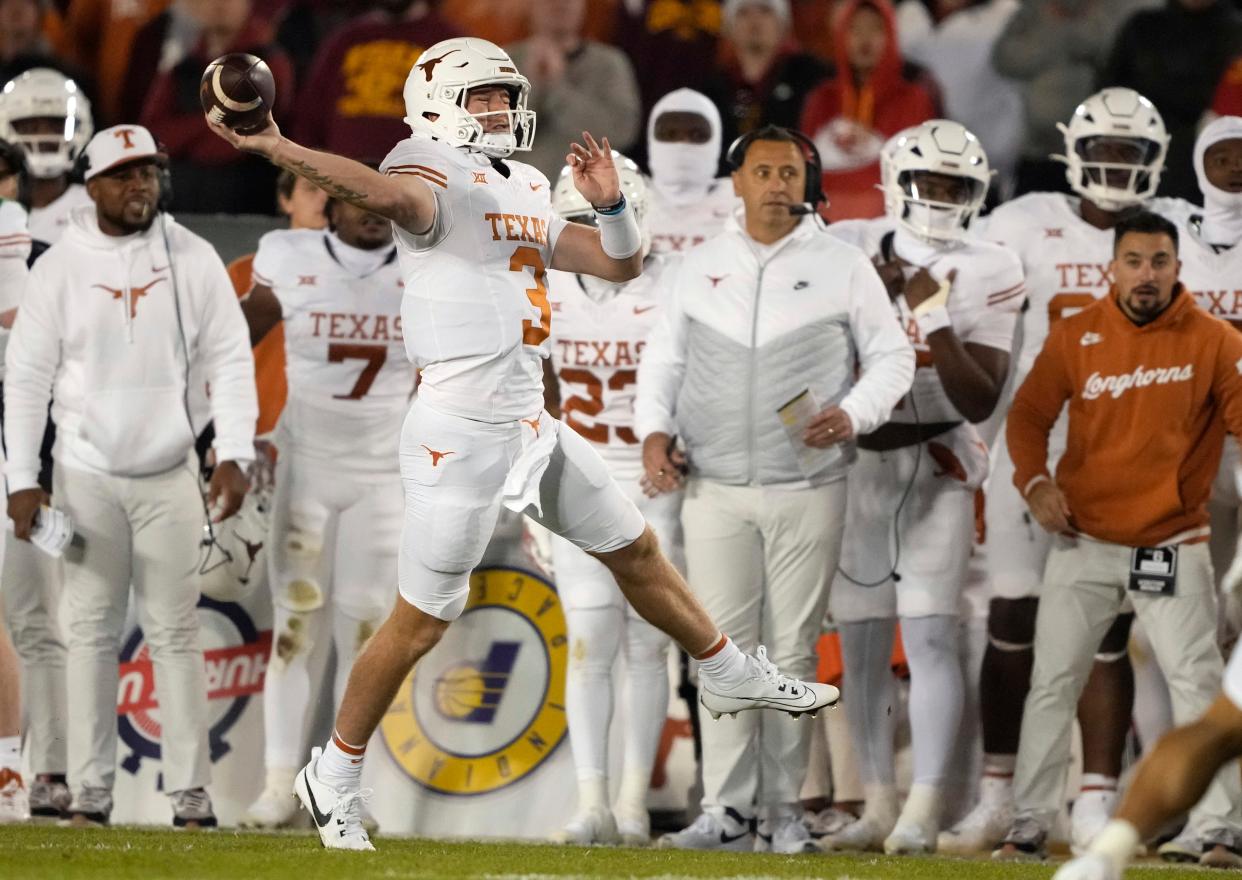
x: 486, y: 707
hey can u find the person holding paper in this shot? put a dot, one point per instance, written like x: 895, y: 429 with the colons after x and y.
x: 748, y: 394
x: 912, y: 508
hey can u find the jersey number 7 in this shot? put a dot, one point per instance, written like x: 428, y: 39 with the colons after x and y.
x: 374, y: 355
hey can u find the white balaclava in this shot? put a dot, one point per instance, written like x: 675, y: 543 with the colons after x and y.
x: 1222, y: 211
x: 683, y: 172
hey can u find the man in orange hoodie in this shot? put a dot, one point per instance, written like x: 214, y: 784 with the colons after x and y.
x: 1152, y: 384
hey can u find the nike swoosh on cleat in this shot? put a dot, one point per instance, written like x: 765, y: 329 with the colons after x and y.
x: 321, y: 819
x: 730, y: 838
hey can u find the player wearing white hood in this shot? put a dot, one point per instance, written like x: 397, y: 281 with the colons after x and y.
x: 1212, y: 271
x: 689, y: 203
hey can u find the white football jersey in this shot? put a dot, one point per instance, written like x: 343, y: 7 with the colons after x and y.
x: 983, y: 306
x: 14, y: 250
x: 1065, y: 258
x: 349, y: 381
x: 599, y: 331
x: 48, y: 224
x: 476, y: 298
x: 677, y: 227
x: 1215, y: 278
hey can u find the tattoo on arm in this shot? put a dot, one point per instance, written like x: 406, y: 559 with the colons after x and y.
x: 326, y: 183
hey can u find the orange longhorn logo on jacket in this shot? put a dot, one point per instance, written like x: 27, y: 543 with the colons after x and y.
x: 135, y: 294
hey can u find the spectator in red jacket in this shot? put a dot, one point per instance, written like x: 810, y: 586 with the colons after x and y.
x: 870, y: 95
x: 352, y: 102
x: 210, y: 175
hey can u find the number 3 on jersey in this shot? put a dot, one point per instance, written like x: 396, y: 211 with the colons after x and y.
x: 523, y: 258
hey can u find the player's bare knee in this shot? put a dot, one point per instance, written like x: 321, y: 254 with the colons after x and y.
x: 1011, y: 623
x: 414, y: 630
x: 635, y: 560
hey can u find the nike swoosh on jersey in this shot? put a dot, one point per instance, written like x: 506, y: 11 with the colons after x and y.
x: 638, y: 310
x: 321, y: 819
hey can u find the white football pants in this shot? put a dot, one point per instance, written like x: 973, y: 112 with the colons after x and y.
x: 143, y: 531
x: 761, y: 561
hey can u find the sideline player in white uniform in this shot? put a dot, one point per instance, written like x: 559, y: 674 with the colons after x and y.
x: 1212, y: 271
x: 475, y: 236
x: 597, y: 341
x: 337, y: 508
x: 1171, y: 779
x: 46, y: 114
x: 14, y: 250
x: 1115, y: 145
x: 688, y: 203
x: 910, y: 520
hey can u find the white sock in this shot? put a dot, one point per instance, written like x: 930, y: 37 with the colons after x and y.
x: 723, y: 666
x: 592, y: 792
x: 923, y: 805
x: 280, y: 779
x: 595, y: 639
x: 996, y: 785
x: 10, y: 752
x: 632, y: 799
x: 937, y: 693
x: 881, y: 802
x: 644, y: 710
x: 340, y: 765
x: 866, y: 648
x: 1097, y: 781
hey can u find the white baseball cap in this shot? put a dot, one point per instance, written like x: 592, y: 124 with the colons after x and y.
x: 118, y: 145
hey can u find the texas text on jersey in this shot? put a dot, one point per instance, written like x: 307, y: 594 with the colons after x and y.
x: 598, y: 337
x: 476, y: 301
x: 344, y: 345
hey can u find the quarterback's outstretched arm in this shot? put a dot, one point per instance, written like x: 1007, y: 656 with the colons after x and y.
x: 405, y: 200
x: 1169, y: 782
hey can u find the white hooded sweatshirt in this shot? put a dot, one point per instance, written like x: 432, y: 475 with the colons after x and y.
x: 109, y: 328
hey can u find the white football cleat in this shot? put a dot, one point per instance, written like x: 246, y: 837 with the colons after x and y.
x: 336, y: 811
x: 787, y: 835
x: 635, y: 829
x: 596, y: 825
x: 868, y: 833
x: 1092, y: 866
x: 275, y: 808
x: 1090, y: 813
x: 979, y: 831
x: 766, y: 688
x: 14, y: 800
x: 910, y: 839
x: 730, y: 833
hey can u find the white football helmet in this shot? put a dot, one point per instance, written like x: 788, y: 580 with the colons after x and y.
x: 1115, y: 146
x: 570, y: 204
x: 43, y: 93
x: 234, y: 565
x: 436, y: 89
x: 938, y: 147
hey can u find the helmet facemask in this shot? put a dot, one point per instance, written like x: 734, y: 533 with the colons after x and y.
x: 937, y: 206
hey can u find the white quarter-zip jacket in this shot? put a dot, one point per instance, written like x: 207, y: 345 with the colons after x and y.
x: 109, y: 329
x: 746, y: 328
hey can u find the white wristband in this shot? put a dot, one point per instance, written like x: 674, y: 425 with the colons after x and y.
x: 931, y: 320
x: 619, y: 233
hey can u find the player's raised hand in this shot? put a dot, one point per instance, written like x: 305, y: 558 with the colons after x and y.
x: 261, y: 143
x: 595, y: 174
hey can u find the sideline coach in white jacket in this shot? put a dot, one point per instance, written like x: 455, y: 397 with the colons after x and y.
x: 115, y: 316
x: 773, y: 311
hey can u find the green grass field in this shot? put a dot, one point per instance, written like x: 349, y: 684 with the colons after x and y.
x: 145, y: 854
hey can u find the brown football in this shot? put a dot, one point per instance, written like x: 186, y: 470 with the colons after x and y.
x: 238, y: 90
